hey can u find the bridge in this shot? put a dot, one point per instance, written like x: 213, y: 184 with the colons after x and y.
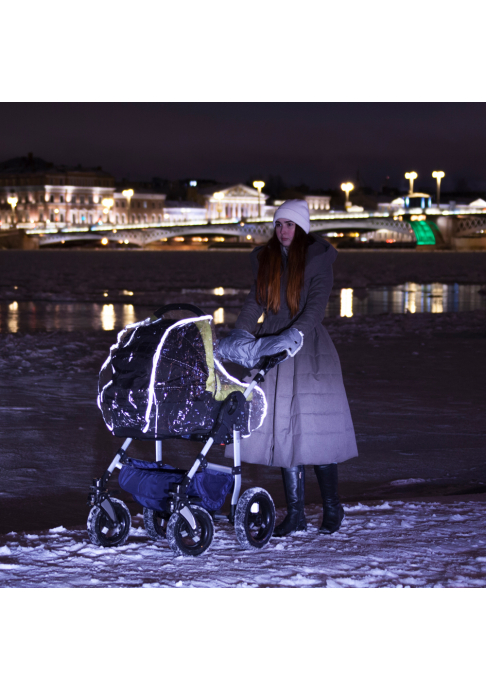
x: 442, y: 229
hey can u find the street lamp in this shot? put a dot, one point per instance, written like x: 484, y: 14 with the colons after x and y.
x: 411, y: 176
x: 219, y: 196
x: 347, y: 187
x: 438, y: 174
x: 13, y: 201
x: 258, y: 184
x: 107, y: 203
x: 128, y: 193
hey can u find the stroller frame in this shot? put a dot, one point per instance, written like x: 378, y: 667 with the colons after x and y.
x: 190, y: 527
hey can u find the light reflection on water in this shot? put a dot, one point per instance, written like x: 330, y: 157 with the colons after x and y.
x: 414, y: 298
x: 398, y: 299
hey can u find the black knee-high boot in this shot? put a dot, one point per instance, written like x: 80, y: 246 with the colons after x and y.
x: 294, y: 521
x: 327, y: 477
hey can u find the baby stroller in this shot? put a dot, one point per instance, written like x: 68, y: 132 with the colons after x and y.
x: 160, y: 381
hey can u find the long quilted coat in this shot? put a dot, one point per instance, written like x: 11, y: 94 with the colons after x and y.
x: 308, y: 420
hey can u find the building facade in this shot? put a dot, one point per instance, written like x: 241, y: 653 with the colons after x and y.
x: 34, y: 192
x: 234, y: 202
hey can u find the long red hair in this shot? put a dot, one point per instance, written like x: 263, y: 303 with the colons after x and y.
x: 270, y: 271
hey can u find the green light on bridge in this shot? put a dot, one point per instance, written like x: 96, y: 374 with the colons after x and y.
x: 424, y: 231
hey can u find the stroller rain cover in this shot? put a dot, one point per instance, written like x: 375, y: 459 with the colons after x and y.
x: 161, y: 380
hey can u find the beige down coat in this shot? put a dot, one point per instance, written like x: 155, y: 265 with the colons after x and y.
x: 308, y: 421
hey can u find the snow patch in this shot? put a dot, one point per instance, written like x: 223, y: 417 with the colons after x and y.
x: 402, y: 482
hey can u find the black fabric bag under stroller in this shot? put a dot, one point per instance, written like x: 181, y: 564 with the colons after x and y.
x: 150, y: 484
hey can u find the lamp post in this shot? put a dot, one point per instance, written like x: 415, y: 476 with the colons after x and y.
x: 347, y: 187
x: 107, y: 203
x: 259, y: 185
x: 128, y: 193
x: 438, y: 174
x: 411, y: 176
x: 219, y: 196
x: 13, y: 201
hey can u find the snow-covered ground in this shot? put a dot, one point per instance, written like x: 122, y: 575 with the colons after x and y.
x: 390, y: 544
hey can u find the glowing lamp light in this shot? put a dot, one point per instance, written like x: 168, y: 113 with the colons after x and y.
x: 259, y: 185
x: 128, y: 193
x: 13, y: 201
x: 411, y: 176
x: 248, y: 237
x: 218, y: 195
x: 104, y: 241
x: 438, y: 174
x: 347, y: 187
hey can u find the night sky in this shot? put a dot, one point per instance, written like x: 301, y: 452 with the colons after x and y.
x: 320, y: 144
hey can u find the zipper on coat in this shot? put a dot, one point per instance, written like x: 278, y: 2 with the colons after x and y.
x: 274, y: 415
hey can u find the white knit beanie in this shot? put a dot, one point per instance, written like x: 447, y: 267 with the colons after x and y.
x: 296, y: 210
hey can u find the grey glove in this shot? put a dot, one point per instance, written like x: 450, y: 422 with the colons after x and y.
x: 243, y: 348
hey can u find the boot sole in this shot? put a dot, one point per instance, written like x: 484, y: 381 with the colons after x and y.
x: 288, y: 534
x: 327, y: 531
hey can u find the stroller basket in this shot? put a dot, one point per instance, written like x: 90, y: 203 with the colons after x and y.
x: 149, y: 483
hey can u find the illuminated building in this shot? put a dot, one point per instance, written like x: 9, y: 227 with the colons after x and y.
x: 233, y: 202
x: 59, y: 196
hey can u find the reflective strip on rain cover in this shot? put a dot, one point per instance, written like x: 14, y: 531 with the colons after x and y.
x: 149, y: 483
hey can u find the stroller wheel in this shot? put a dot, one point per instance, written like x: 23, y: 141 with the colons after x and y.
x: 102, y: 531
x: 183, y: 540
x: 254, y: 519
x: 155, y: 523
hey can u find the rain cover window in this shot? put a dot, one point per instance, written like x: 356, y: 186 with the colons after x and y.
x: 161, y: 380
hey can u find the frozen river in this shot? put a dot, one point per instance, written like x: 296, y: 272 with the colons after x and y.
x: 225, y: 303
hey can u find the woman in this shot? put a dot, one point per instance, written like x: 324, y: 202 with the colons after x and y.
x: 308, y: 420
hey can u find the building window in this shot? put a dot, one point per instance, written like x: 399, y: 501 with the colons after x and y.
x: 61, y: 199
x: 51, y: 197
x: 62, y: 217
x: 82, y: 199
x: 52, y: 217
x: 153, y: 217
x: 73, y: 218
x: 145, y: 204
x: 123, y: 219
x: 117, y: 219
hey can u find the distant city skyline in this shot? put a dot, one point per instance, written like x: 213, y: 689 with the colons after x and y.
x: 319, y: 144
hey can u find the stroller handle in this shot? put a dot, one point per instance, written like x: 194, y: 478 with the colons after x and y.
x: 271, y: 361
x: 181, y: 307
